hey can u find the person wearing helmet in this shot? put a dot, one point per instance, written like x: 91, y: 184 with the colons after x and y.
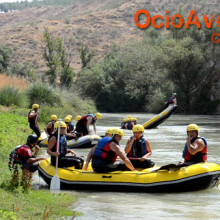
x: 32, y: 119
x: 82, y: 125
x: 108, y: 135
x: 69, y: 133
x: 195, y: 150
x: 71, y: 125
x: 50, y: 125
x: 138, y: 149
x: 27, y: 154
x: 171, y: 101
x: 106, y: 152
x: 63, y: 159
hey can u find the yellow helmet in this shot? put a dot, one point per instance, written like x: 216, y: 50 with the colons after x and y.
x: 134, y: 119
x: 117, y: 131
x: 109, y: 131
x: 67, y: 119
x: 138, y: 128
x: 53, y: 117
x: 125, y: 120
x: 78, y: 117
x: 98, y: 115
x: 70, y: 116
x: 62, y: 124
x: 35, y: 106
x: 192, y: 127
x: 129, y: 117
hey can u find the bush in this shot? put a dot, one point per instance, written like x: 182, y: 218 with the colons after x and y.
x: 10, y: 95
x: 42, y: 93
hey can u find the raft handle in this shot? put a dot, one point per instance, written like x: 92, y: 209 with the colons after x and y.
x: 106, y: 176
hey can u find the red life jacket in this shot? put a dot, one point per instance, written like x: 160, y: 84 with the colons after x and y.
x: 24, y: 152
x: 32, y: 120
x: 50, y: 130
x: 84, y: 119
x: 200, y: 156
x: 68, y: 128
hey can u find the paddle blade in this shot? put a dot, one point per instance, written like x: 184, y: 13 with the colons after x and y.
x: 55, y: 183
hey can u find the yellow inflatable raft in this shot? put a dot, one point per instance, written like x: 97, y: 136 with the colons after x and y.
x: 161, y: 117
x: 195, y: 177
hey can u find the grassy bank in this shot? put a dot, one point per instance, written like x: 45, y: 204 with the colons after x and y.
x: 31, y: 204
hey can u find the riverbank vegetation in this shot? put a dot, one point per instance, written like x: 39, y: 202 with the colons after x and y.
x: 142, y: 75
x: 19, y: 202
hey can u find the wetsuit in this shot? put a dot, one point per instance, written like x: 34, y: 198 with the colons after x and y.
x: 32, y: 123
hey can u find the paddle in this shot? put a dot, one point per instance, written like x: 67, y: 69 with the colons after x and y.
x: 134, y: 158
x: 170, y: 166
x: 55, y: 182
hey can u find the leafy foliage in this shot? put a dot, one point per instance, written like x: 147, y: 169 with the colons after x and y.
x: 10, y: 96
x: 5, y: 56
x: 56, y: 60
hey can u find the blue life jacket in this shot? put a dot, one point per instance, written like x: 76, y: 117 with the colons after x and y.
x: 138, y: 148
x: 62, y: 146
x: 103, y: 150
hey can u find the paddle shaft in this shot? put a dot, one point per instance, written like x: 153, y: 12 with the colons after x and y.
x: 134, y: 158
x: 58, y: 146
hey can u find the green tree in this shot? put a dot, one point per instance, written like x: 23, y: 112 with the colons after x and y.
x: 85, y: 55
x: 186, y: 66
x: 5, y: 58
x: 51, y: 55
x: 56, y: 60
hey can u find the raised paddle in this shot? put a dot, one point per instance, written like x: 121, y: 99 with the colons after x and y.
x: 55, y: 182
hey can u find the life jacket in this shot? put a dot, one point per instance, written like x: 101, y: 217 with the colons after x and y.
x: 123, y: 125
x: 67, y: 128
x: 138, y: 148
x: 20, y: 154
x: 32, y: 120
x: 71, y: 126
x: 103, y: 150
x: 170, y: 101
x: 200, y: 156
x: 84, y: 119
x: 130, y: 125
x: 50, y: 130
x: 62, y: 145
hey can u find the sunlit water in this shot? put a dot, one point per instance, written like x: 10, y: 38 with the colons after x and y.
x: 167, y: 142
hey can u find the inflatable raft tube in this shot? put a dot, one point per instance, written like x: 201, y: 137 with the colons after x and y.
x: 87, y: 141
x: 160, y: 118
x: 195, y: 177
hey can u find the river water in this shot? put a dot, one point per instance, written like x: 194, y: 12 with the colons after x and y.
x: 167, y: 142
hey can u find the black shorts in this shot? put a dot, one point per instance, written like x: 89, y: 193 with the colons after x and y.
x: 101, y: 166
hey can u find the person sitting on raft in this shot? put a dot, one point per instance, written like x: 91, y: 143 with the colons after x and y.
x: 106, y: 152
x: 69, y: 133
x: 195, y: 150
x: 171, y: 101
x: 138, y: 149
x: 108, y: 134
x: 50, y: 125
x: 82, y: 125
x: 71, y: 125
x: 32, y: 119
x: 63, y: 160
